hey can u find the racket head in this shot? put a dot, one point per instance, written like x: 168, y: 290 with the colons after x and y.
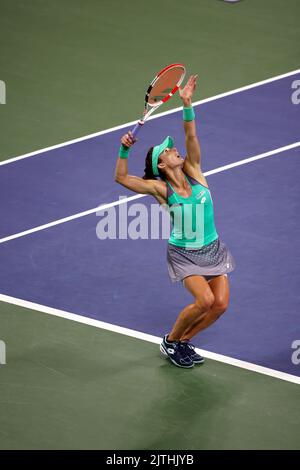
x: 164, y: 85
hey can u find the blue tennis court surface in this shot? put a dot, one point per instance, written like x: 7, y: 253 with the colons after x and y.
x: 79, y: 176
x: 125, y: 282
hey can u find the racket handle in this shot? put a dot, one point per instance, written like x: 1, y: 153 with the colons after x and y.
x: 137, y: 127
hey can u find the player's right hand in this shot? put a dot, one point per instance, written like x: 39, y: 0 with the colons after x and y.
x: 128, y: 140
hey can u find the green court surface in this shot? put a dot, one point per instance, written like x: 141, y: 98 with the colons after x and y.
x: 76, y: 67
x: 60, y: 389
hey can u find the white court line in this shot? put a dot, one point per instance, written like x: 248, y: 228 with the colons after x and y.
x: 131, y: 198
x: 146, y: 337
x: 71, y: 217
x: 156, y: 116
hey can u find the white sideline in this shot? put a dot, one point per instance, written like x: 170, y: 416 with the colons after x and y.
x: 131, y: 198
x: 156, y: 116
x: 146, y: 337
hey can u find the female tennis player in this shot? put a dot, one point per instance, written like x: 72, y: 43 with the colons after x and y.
x: 196, y: 257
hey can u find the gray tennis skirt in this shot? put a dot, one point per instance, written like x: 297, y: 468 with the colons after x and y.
x: 209, y: 261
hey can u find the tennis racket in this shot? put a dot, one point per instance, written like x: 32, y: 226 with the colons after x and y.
x: 161, y: 89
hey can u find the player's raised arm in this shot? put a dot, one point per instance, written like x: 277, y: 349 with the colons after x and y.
x: 134, y: 183
x: 191, y: 140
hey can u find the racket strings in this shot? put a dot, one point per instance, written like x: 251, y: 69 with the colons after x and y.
x: 165, y: 85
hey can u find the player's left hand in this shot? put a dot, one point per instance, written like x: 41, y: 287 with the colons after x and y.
x: 187, y: 92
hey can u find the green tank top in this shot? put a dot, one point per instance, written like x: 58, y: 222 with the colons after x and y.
x: 192, y: 217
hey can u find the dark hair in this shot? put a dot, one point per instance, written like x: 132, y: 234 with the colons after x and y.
x: 148, y: 172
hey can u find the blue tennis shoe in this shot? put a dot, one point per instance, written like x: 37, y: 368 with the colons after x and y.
x: 177, y: 353
x: 189, y: 350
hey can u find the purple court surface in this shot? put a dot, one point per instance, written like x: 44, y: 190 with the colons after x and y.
x: 125, y: 282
